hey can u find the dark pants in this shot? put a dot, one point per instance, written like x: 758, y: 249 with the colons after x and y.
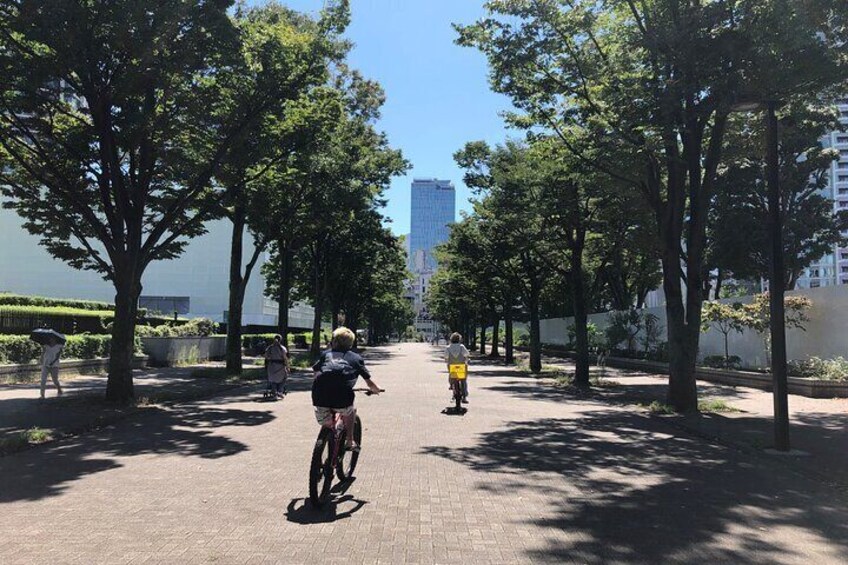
x: 275, y: 387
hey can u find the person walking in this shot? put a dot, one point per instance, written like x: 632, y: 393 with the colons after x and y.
x: 277, y: 363
x: 50, y: 354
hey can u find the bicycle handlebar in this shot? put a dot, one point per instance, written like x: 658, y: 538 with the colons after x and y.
x: 368, y: 391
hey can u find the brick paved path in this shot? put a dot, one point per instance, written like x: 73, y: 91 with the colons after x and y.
x: 527, y: 475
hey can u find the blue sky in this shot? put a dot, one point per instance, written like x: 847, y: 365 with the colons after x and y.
x: 438, y: 96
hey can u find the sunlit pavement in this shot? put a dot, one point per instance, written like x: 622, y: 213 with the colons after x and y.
x: 526, y: 475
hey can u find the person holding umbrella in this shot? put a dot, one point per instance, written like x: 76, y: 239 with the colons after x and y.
x: 52, y: 343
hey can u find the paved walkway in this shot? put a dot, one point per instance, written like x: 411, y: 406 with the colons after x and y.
x: 818, y: 427
x: 527, y: 475
x: 82, y: 406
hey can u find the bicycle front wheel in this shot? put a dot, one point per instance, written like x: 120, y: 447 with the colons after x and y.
x: 347, y: 459
x: 321, y: 470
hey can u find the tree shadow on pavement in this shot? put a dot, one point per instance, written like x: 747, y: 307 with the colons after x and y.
x: 620, y: 488
x: 187, y: 430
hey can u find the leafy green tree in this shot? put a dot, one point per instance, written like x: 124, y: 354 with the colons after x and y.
x: 511, y: 183
x: 739, y: 240
x: 726, y: 318
x: 756, y: 315
x: 642, y: 91
x: 303, y: 50
x: 112, y: 127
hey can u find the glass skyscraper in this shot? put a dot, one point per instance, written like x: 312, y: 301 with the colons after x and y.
x: 433, y: 209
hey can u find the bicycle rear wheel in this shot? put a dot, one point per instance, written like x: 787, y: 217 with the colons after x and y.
x: 347, y: 459
x: 321, y: 470
x: 457, y: 395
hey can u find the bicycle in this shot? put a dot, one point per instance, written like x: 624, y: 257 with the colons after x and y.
x: 458, y: 373
x: 331, y: 454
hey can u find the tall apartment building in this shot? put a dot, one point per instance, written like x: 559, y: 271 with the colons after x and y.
x: 833, y: 268
x: 433, y: 209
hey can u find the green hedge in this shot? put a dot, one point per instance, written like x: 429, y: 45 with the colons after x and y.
x: 257, y: 343
x: 198, y: 327
x: 18, y: 349
x: 18, y: 320
x: 9, y: 299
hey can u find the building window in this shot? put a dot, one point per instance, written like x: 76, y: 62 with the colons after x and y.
x: 165, y: 304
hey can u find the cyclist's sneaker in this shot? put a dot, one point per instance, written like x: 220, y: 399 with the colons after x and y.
x: 465, y: 401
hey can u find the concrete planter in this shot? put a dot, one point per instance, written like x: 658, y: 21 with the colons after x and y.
x: 32, y: 371
x: 169, y: 351
x: 810, y: 388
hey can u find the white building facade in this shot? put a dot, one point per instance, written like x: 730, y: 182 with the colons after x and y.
x: 195, y: 284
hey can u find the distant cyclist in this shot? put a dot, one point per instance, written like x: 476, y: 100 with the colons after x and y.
x: 457, y: 354
x: 336, y: 373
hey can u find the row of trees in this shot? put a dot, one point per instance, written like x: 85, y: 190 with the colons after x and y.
x: 126, y: 127
x: 639, y: 97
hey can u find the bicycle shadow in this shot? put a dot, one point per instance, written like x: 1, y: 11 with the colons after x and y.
x: 452, y: 411
x: 301, y: 511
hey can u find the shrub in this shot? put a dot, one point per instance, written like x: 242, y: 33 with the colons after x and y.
x: 659, y: 353
x: 16, y: 320
x: 822, y: 369
x: 720, y: 362
x: 19, y: 349
x: 256, y: 343
x: 9, y: 299
x: 197, y: 327
x: 623, y: 327
x: 522, y: 339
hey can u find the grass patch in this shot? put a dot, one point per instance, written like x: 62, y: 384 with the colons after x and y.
x: 657, y: 407
x: 22, y: 440
x: 301, y: 360
x: 715, y: 405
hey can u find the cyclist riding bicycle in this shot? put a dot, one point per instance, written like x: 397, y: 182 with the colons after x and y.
x: 336, y: 373
x: 457, y: 354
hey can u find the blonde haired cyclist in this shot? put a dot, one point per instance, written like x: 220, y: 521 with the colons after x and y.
x: 336, y: 373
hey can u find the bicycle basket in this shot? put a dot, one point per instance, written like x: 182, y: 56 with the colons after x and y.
x: 458, y: 371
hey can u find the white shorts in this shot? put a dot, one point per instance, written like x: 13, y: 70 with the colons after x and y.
x: 322, y: 413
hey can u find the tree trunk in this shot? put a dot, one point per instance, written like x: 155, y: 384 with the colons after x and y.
x: 726, y: 347
x: 318, y: 277
x: 495, y: 331
x: 719, y: 277
x: 284, y: 291
x: 682, y: 349
x: 535, y: 333
x: 482, y: 338
x: 581, y: 318
x: 315, y: 348
x: 236, y: 297
x: 509, y: 356
x: 119, y: 385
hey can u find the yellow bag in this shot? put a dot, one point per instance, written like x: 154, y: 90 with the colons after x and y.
x: 458, y: 371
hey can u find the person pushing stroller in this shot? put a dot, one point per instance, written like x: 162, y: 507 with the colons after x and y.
x: 277, y: 363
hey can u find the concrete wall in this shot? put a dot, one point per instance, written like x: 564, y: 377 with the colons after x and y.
x: 201, y: 273
x: 169, y: 351
x: 826, y: 335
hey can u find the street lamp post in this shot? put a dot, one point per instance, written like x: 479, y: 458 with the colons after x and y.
x: 776, y: 285
x: 776, y: 275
